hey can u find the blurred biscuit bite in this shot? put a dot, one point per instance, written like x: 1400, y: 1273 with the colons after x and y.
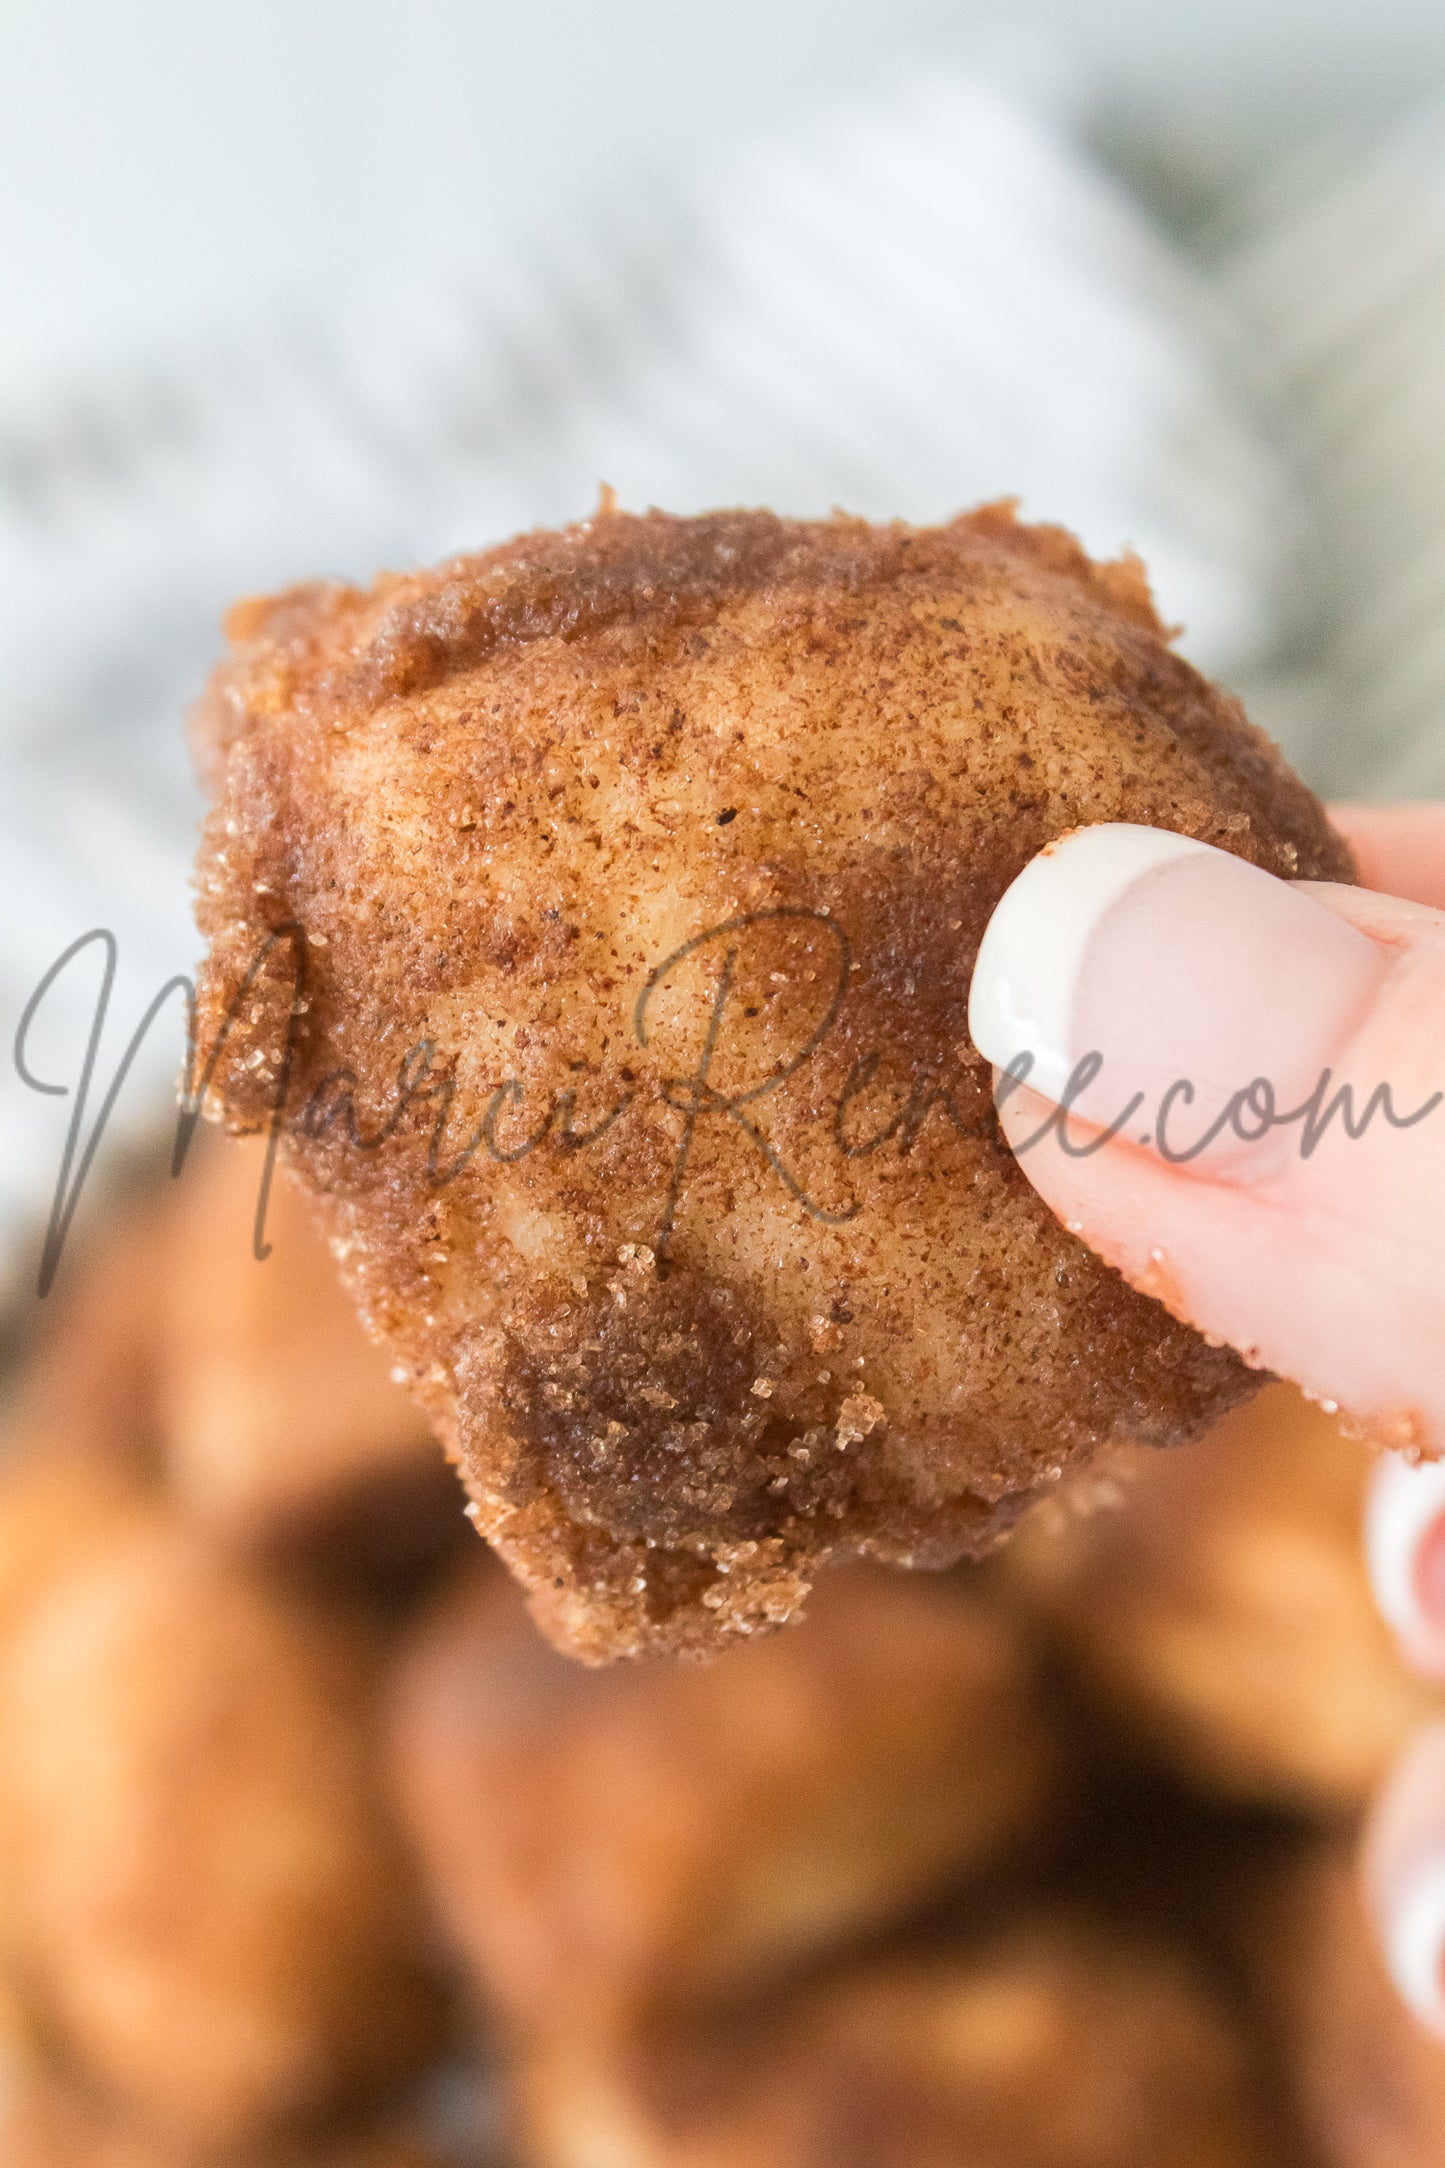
x: 87, y: 1386
x: 1367, y: 2079
x: 1057, y: 2042
x: 1217, y: 1609
x: 44, y: 2124
x: 79, y: 1432
x: 56, y: 1510
x: 659, y: 1835
x: 285, y: 1435
x: 204, y: 1915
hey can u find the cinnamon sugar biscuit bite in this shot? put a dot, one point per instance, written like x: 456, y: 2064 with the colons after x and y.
x: 600, y: 913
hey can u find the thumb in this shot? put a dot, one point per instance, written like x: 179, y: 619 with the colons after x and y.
x: 1234, y: 1096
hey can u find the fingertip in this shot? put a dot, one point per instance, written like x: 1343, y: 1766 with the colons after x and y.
x: 1399, y: 849
x: 1404, y: 1877
x: 1413, y: 1937
x: 1171, y: 992
x: 1036, y: 946
x: 1405, y: 1552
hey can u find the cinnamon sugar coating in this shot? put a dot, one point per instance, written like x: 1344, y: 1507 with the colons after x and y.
x: 640, y: 870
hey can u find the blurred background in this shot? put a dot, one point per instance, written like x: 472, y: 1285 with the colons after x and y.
x: 311, y: 289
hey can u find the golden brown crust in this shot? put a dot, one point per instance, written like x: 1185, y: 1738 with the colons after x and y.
x: 792, y: 1301
x: 322, y: 648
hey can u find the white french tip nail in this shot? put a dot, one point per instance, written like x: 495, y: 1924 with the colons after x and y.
x: 1415, y: 1945
x: 1406, y: 1504
x: 1032, y: 953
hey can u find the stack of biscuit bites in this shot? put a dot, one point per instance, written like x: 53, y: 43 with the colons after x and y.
x: 315, y: 1855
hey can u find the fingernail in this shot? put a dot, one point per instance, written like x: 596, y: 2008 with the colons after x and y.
x: 1405, y: 1548
x: 1404, y: 1865
x: 1185, y: 970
